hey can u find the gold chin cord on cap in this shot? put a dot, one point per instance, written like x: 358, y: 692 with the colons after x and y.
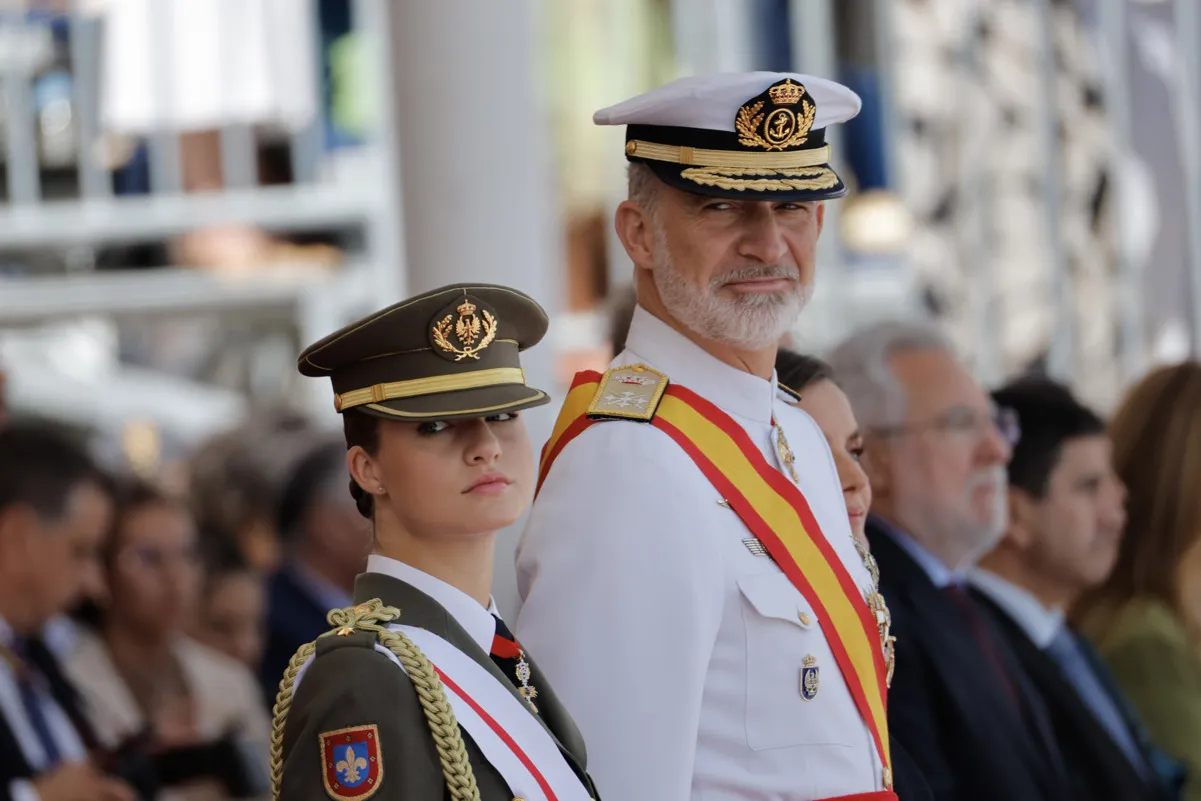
x: 393, y: 390
x: 698, y: 157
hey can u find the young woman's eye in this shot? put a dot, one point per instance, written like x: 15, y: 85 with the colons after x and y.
x: 503, y: 417
x: 432, y: 427
x: 857, y: 452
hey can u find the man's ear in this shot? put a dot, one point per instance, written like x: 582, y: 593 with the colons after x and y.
x: 1022, y: 508
x: 633, y: 226
x: 364, y: 470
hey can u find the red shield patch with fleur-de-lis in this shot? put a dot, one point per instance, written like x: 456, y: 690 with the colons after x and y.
x: 353, y: 766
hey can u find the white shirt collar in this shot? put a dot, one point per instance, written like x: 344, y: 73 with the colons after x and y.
x: 477, y: 621
x: 320, y: 589
x: 60, y: 634
x: 1040, y: 623
x: 940, y: 575
x: 654, y: 342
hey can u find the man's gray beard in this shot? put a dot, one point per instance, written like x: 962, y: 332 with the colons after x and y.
x: 751, y: 321
x: 954, y: 529
x: 991, y: 532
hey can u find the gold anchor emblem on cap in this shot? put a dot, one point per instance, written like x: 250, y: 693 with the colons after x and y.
x: 779, y: 128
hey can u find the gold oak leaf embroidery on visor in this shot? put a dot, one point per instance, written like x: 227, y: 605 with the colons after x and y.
x: 753, y: 179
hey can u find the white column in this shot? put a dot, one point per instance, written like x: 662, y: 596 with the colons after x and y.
x: 1063, y: 354
x: 475, y: 158
x: 1115, y: 38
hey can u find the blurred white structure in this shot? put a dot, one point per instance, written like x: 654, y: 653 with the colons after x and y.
x: 355, y: 194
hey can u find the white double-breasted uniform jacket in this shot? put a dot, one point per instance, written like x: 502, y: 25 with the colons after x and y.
x: 677, y: 648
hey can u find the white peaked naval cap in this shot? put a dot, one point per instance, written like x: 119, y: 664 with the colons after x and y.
x: 753, y: 135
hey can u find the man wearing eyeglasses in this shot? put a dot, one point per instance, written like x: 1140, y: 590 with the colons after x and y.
x: 936, y: 453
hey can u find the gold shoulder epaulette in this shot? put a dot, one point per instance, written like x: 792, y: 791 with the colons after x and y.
x: 366, y: 618
x: 628, y: 393
x: 789, y: 391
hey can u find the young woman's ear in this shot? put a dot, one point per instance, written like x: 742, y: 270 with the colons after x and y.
x: 364, y: 471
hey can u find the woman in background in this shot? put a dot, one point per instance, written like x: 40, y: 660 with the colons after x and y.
x: 1146, y: 618
x: 813, y: 381
x: 233, y: 606
x: 198, y: 710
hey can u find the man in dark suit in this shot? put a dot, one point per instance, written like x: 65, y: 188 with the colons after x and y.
x: 935, y: 454
x: 53, y: 514
x: 1066, y: 516
x: 327, y: 543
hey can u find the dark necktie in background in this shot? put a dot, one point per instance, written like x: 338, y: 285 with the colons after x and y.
x: 1027, y: 702
x: 34, y: 690
x: 1066, y: 651
x: 984, y: 638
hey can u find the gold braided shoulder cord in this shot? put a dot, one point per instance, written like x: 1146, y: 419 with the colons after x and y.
x: 373, y: 617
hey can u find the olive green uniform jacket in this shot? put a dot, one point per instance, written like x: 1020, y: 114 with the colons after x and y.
x: 349, y: 684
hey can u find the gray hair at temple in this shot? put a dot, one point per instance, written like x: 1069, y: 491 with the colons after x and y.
x: 643, y: 187
x: 862, y: 365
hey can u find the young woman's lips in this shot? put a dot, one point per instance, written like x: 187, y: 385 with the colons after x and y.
x: 489, y: 484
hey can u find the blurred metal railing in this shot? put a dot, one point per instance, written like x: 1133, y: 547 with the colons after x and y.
x: 362, y: 198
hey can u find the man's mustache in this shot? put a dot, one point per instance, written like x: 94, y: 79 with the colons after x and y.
x: 758, y: 273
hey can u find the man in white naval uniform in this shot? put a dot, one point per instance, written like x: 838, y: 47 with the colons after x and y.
x: 638, y: 579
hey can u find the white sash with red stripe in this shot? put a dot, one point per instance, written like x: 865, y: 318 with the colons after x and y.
x: 510, y: 737
x: 508, y: 734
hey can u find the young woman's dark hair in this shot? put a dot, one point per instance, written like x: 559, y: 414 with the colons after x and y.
x: 362, y: 430
x: 797, y: 371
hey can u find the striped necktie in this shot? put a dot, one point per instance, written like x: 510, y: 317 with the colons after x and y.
x: 35, y: 698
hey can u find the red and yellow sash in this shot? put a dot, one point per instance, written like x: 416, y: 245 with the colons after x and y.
x: 776, y: 512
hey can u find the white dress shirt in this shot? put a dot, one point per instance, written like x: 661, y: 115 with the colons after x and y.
x: 476, y: 620
x: 1038, y: 622
x: 69, y: 744
x: 939, y: 574
x: 675, y: 647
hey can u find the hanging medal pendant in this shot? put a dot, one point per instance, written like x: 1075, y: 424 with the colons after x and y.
x: 527, y: 690
x: 787, y: 457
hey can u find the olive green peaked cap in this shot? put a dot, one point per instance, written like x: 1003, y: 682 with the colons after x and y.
x: 449, y: 353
